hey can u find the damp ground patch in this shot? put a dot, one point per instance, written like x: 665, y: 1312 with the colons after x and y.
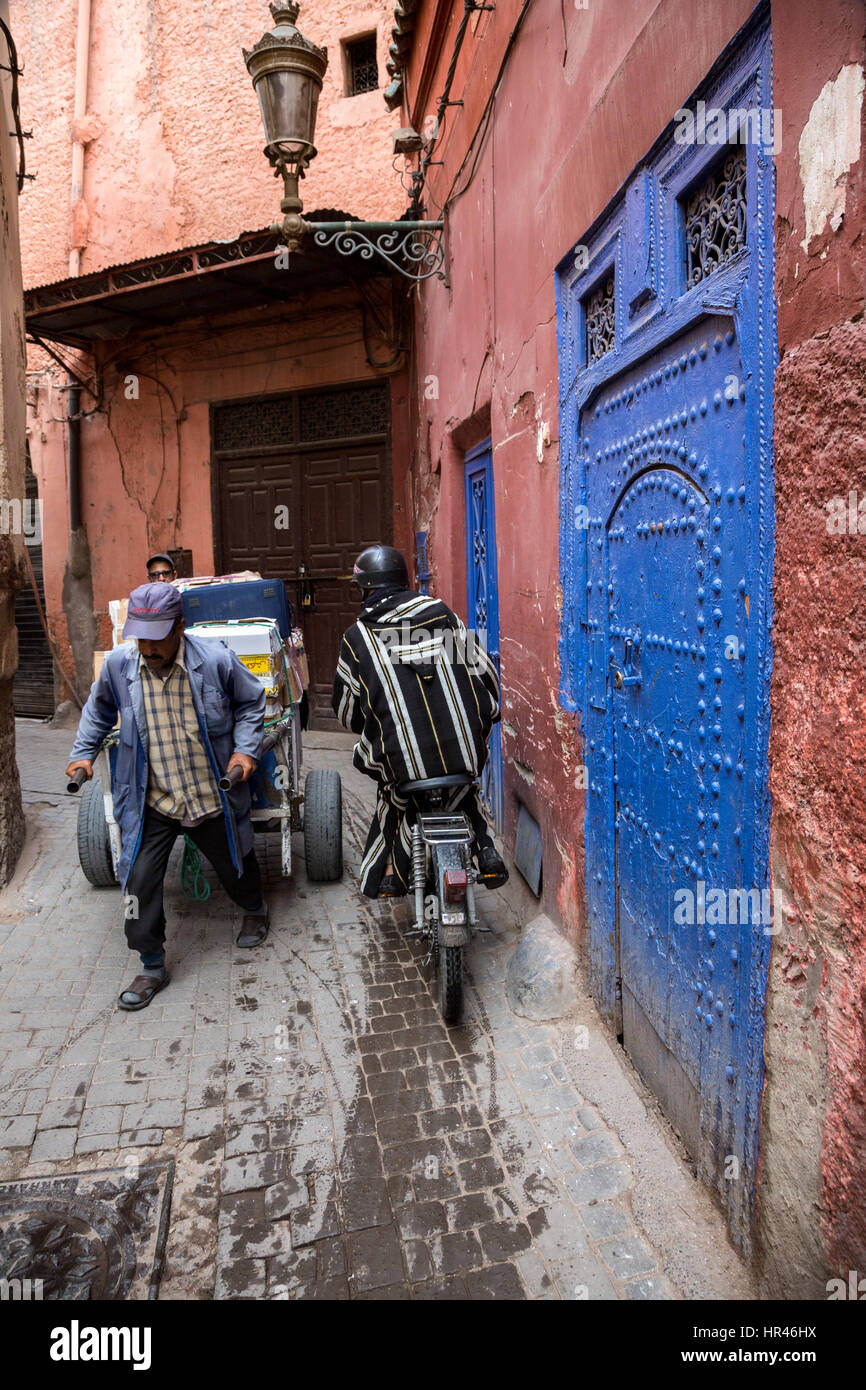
x: 94, y: 1235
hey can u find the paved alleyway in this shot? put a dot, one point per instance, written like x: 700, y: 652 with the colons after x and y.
x: 332, y: 1138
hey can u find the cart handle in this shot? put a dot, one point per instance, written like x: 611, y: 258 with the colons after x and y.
x: 76, y: 780
x: 228, y: 780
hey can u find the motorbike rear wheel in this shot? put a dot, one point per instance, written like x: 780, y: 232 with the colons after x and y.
x: 451, y: 983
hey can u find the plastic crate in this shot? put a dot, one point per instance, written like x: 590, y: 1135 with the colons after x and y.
x: 254, y: 598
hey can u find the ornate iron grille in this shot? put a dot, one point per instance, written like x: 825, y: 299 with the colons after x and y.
x: 363, y: 71
x: 255, y: 425
x: 343, y: 414
x: 482, y: 607
x: 422, y: 566
x: 479, y: 554
x: 715, y: 219
x: 282, y: 421
x: 600, y: 321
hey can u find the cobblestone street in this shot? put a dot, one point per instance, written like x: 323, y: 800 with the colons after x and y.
x: 332, y: 1138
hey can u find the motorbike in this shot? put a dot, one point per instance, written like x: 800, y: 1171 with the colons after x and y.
x: 443, y: 882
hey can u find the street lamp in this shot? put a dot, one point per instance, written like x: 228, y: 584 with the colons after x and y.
x: 287, y: 71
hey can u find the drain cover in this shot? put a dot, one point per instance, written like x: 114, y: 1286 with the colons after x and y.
x: 95, y: 1235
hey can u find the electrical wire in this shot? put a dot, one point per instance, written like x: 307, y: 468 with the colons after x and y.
x: 484, y: 119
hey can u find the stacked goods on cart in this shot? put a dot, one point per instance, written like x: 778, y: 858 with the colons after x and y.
x: 221, y: 597
x: 240, y: 598
x: 257, y: 642
x: 241, y: 577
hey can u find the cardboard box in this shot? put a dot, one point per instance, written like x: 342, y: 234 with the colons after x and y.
x: 256, y: 642
x: 300, y: 653
x: 117, y: 608
x: 198, y: 580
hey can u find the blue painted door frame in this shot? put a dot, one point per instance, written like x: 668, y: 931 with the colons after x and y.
x: 666, y: 549
x: 482, y: 599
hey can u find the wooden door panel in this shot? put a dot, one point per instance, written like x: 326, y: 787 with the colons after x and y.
x: 318, y: 509
x: 345, y: 510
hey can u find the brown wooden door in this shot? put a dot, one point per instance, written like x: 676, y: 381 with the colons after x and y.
x: 343, y: 511
x: 302, y: 515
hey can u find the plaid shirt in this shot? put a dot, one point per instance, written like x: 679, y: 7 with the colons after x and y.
x: 181, y: 783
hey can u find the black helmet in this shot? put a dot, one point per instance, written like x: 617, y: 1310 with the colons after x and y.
x: 380, y: 567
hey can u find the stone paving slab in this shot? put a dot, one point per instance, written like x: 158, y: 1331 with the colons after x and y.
x: 333, y: 1139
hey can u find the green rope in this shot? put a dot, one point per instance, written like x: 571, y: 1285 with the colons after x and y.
x: 192, y: 879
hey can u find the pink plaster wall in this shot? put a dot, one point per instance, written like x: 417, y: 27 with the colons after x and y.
x: 175, y: 153
x: 174, y: 158
x: 147, y: 481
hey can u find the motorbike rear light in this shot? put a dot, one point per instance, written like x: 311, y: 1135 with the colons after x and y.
x: 456, y: 882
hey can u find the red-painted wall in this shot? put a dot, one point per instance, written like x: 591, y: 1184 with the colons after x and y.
x: 814, y: 1119
x: 583, y: 96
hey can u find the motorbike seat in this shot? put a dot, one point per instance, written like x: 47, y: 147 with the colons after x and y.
x: 431, y: 784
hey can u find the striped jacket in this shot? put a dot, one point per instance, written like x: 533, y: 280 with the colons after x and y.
x: 422, y: 694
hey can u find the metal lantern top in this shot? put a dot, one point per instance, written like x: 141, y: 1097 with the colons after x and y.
x: 287, y: 71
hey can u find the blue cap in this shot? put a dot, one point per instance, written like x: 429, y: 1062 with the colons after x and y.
x: 153, y: 611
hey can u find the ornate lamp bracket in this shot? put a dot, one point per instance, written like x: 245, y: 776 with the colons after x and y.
x: 414, y: 249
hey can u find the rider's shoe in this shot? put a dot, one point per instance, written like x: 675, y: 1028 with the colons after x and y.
x: 391, y: 887
x: 491, y: 868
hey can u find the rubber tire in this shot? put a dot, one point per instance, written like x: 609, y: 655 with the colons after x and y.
x: 323, y: 825
x: 451, y: 983
x: 94, y: 841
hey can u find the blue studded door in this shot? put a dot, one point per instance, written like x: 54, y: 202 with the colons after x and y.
x: 667, y: 350
x: 671, y: 566
x: 482, y: 600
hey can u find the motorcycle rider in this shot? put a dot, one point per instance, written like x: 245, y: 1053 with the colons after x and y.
x: 423, y: 699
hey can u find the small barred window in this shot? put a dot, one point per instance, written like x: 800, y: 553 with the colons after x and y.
x: 362, y: 70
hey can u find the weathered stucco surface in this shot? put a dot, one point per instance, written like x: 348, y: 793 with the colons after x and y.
x: 815, y: 1114
x: 829, y: 145
x: 174, y: 158
x: 815, y: 90
x: 147, y: 483
x: 811, y: 1218
x: 174, y: 153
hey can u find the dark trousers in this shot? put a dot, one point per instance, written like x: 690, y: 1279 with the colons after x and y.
x: 145, y: 932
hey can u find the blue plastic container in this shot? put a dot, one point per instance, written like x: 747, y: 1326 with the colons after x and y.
x: 252, y: 598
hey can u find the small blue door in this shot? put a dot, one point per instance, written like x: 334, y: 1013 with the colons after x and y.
x: 482, y: 600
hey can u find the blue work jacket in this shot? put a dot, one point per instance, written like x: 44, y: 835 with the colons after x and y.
x: 230, y: 706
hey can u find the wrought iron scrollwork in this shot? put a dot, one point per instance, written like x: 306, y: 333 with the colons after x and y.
x: 416, y: 251
x: 600, y: 322
x: 715, y: 220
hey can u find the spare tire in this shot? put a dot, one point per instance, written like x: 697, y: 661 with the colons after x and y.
x: 94, y: 840
x: 323, y: 825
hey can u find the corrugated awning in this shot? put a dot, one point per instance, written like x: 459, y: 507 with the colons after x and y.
x: 158, y: 292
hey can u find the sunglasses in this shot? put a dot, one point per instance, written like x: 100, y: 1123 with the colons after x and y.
x: 160, y: 574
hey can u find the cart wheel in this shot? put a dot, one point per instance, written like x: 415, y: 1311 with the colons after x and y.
x: 94, y: 841
x: 323, y: 825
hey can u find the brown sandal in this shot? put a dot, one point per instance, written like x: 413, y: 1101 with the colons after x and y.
x: 144, y: 987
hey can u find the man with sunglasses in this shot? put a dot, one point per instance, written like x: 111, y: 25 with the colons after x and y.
x: 160, y: 570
